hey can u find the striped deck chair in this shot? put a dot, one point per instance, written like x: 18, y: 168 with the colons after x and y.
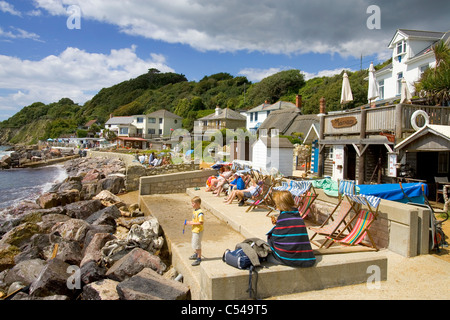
x: 264, y: 200
x: 364, y: 220
x: 285, y: 186
x: 333, y: 226
x: 346, y: 187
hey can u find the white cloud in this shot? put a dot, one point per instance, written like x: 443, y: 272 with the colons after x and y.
x: 8, y: 8
x: 17, y: 33
x: 75, y: 74
x: 256, y: 75
x: 277, y: 27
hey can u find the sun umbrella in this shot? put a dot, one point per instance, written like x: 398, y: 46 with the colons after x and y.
x: 346, y: 93
x: 373, y: 85
x: 405, y: 94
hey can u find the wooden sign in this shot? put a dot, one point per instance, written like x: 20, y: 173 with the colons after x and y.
x: 344, y: 122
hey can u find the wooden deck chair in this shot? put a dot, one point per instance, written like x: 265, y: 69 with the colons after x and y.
x: 332, y: 225
x: 304, y: 195
x: 362, y: 222
x: 263, y: 200
x: 285, y: 185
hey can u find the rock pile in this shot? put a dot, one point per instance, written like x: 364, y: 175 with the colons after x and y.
x: 25, y: 154
x: 76, y: 243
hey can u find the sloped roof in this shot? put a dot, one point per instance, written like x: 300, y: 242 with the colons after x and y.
x: 280, y: 119
x: 282, y: 142
x: 162, y: 113
x: 120, y: 120
x: 302, y: 123
x: 226, y: 113
x: 271, y: 107
x: 441, y: 132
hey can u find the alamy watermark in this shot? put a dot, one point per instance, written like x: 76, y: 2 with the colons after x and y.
x: 374, y: 20
x: 74, y: 19
x: 374, y: 279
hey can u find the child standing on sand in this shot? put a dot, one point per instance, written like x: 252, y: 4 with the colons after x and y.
x: 197, y: 230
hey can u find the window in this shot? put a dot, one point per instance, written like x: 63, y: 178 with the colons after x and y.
x: 123, y: 131
x: 175, y: 121
x: 140, y: 120
x: 422, y: 69
x: 160, y: 120
x: 268, y: 112
x: 151, y: 120
x: 151, y: 131
x: 251, y: 116
x: 443, y: 162
x: 160, y: 131
x: 399, y: 82
x: 401, y: 47
x: 381, y: 88
x: 256, y: 116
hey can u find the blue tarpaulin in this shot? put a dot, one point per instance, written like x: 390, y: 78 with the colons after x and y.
x: 393, y: 191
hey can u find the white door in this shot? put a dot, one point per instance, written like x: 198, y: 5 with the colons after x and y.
x: 338, y: 162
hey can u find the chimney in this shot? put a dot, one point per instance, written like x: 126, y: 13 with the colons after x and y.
x: 217, y: 110
x: 267, y: 102
x: 298, y: 102
x: 322, y: 107
x: 110, y: 115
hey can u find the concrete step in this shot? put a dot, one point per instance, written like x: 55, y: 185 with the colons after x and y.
x: 228, y: 225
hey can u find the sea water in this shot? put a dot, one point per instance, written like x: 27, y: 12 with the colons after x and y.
x: 26, y: 184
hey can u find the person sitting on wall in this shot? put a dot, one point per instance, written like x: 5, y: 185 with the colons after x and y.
x: 288, y: 239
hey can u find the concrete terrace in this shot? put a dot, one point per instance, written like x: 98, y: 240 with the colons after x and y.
x: 228, y: 225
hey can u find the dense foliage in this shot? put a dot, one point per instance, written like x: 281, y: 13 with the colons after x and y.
x: 189, y: 99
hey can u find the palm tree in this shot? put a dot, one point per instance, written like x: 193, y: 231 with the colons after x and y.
x: 434, y: 84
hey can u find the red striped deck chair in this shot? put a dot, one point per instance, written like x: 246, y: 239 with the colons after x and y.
x: 304, y: 204
x: 333, y: 226
x: 362, y: 222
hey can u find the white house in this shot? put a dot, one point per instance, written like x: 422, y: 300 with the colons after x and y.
x: 412, y: 54
x: 273, y: 152
x: 157, y: 124
x: 257, y: 115
x: 161, y: 123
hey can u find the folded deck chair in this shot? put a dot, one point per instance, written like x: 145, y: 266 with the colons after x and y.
x: 333, y: 226
x: 362, y: 222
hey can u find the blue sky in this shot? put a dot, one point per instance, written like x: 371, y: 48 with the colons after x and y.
x: 41, y: 59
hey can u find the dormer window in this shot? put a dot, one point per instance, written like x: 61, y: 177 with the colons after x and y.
x: 401, y: 47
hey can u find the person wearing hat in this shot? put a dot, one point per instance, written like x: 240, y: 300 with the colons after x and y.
x: 238, y: 183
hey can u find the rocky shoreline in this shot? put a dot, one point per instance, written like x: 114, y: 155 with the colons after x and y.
x: 29, y: 156
x: 79, y: 241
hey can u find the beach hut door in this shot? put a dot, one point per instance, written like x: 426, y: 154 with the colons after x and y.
x: 338, y: 162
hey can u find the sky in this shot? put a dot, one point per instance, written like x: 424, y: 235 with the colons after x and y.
x: 52, y: 49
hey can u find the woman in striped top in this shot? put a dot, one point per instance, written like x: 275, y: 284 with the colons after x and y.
x: 288, y: 239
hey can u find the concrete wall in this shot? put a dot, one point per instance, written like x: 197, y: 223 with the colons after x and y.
x: 174, y: 182
x: 399, y: 227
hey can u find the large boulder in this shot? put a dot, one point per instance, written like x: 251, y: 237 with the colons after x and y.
x: 101, y: 290
x: 83, y: 209
x: 21, y: 234
x: 25, y: 272
x: 115, y: 184
x: 149, y: 285
x: 53, y: 280
x: 93, y: 250
x: 73, y: 229
x: 134, y: 262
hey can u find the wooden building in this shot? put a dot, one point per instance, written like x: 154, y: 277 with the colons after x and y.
x: 359, y: 144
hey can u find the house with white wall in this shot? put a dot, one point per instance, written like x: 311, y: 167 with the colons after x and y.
x: 257, y: 115
x: 412, y: 54
x: 273, y: 152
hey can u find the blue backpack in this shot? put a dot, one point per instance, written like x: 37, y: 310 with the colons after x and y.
x: 237, y: 259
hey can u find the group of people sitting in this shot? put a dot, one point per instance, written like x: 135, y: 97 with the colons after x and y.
x: 235, y: 184
x: 288, y: 239
x: 152, y: 160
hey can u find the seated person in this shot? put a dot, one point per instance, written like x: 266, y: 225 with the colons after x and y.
x: 241, y: 194
x: 288, y: 239
x: 223, y: 178
x: 237, y: 183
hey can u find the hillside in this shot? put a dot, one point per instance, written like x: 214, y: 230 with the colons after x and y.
x: 171, y: 91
